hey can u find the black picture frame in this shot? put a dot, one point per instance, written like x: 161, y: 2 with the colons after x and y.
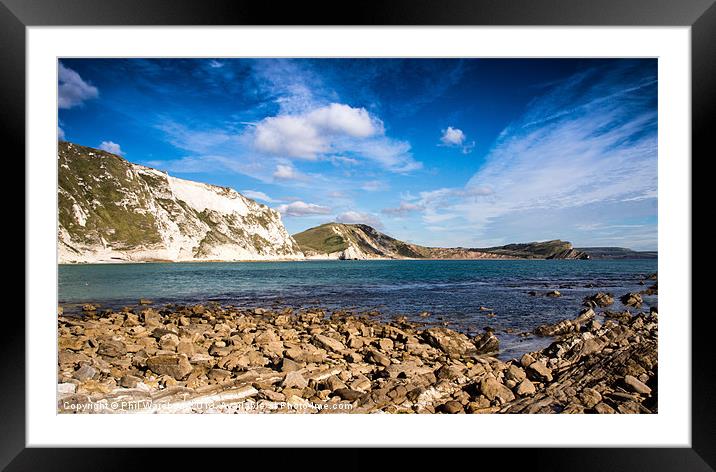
x: 700, y: 15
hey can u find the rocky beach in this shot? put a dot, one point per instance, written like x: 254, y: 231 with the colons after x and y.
x: 215, y: 358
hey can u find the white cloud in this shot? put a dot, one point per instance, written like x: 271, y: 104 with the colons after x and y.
x: 356, y: 217
x: 452, y: 137
x: 60, y: 133
x: 72, y: 91
x: 112, y: 147
x: 290, y: 136
x: 214, y: 64
x: 309, y: 134
x: 286, y: 172
x: 455, y: 137
x: 300, y: 208
x: 256, y: 195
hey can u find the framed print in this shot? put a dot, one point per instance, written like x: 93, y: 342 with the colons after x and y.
x: 419, y: 226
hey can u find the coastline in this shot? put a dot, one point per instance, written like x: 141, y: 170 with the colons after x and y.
x: 220, y: 359
x: 216, y: 261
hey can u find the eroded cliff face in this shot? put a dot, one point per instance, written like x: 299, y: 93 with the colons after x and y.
x: 358, y: 241
x: 111, y: 210
x: 354, y: 241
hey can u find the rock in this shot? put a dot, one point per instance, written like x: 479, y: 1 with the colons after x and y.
x: 88, y: 307
x: 540, y: 372
x: 112, y: 349
x: 492, y: 389
x: 294, y: 380
x: 329, y: 344
x: 454, y: 344
x: 129, y: 381
x: 632, y: 299
x: 590, y: 397
x: 604, y: 409
x: 66, y: 388
x: 525, y: 388
x: 629, y: 408
x: 553, y: 294
x: 566, y: 326
x: 273, y: 396
x: 637, y: 385
x: 385, y: 344
x: 526, y: 360
x: 515, y: 373
x: 145, y: 301
x: 173, y: 365
x: 599, y: 299
x: 288, y: 365
x: 348, y: 394
x: 451, y: 407
x: 85, y: 372
x: 60, y: 311
x: 185, y: 347
x: 169, y: 342
x: 151, y: 318
x: 378, y: 357
x: 487, y: 343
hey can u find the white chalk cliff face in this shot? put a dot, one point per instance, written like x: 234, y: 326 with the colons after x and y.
x: 111, y: 210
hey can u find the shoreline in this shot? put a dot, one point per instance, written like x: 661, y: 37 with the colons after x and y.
x: 333, y: 260
x: 214, y: 359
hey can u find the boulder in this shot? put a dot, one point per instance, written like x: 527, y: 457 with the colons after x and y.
x: 454, y: 344
x: 515, y: 373
x: 566, y: 326
x: 294, y: 379
x: 328, y: 343
x: 84, y: 372
x: 636, y: 385
x: 632, y: 299
x: 599, y: 299
x: 494, y: 390
x: 112, y: 349
x: 173, y: 365
x: 540, y: 372
x: 525, y: 388
x: 486, y: 343
x: 451, y: 407
x: 348, y: 394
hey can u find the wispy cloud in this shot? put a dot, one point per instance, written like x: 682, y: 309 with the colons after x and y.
x: 588, y: 143
x: 357, y: 217
x: 374, y: 186
x: 72, y: 91
x: 256, y: 195
x: 405, y: 208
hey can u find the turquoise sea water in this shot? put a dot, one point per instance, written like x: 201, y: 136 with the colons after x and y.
x: 452, y: 291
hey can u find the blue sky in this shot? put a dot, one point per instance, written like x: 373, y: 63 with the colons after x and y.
x: 444, y: 152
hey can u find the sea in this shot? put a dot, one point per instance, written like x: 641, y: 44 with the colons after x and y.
x: 468, y: 296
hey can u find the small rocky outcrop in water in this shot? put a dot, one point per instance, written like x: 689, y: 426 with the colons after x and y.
x: 566, y: 326
x: 632, y: 299
x: 214, y: 359
x: 599, y: 299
